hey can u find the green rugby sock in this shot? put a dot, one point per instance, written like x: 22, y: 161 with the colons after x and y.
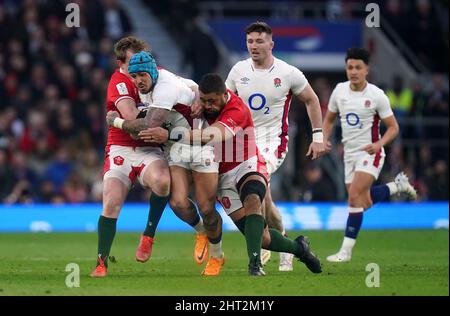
x: 106, y: 233
x: 254, y: 227
x: 157, y: 205
x: 279, y: 243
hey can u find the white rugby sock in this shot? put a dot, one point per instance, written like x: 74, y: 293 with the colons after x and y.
x: 392, y: 188
x: 199, y: 228
x: 348, y: 244
x: 215, y: 250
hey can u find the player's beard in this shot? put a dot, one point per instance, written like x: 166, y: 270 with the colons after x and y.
x: 211, y: 115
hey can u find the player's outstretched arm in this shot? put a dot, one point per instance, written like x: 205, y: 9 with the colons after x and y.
x: 155, y: 117
x: 213, y: 134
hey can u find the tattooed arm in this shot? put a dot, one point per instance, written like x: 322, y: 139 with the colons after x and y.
x: 155, y: 117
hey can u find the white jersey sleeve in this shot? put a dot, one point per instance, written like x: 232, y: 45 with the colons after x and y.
x: 169, y: 91
x: 383, y: 106
x: 164, y: 96
x: 231, y: 79
x: 298, y: 81
x: 189, y: 82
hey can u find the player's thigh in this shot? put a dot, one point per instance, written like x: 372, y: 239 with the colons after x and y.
x: 205, y: 188
x: 273, y: 162
x: 157, y: 177
x: 114, y: 194
x: 180, y: 186
x: 349, y: 171
x: 155, y: 172
x: 361, y: 184
x: 229, y: 199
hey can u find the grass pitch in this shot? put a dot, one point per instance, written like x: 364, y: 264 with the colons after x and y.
x: 411, y: 263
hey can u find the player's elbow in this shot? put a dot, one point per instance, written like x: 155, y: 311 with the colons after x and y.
x: 395, y: 129
x: 313, y: 101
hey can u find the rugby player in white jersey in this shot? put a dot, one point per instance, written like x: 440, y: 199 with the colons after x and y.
x: 267, y: 84
x: 361, y: 105
x: 172, y: 97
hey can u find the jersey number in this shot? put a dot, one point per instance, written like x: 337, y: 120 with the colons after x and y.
x: 262, y: 102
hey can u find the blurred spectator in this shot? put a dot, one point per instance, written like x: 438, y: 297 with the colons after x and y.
x: 394, y: 13
x: 438, y: 108
x: 59, y: 170
x: 419, y: 108
x: 437, y: 182
x: 75, y: 190
x: 316, y: 187
x: 104, y: 59
x: 7, y: 178
x: 37, y: 130
x: 323, y: 90
x: 201, y: 51
x: 401, y: 100
x: 46, y: 191
x: 400, y: 97
x: 90, y: 166
x: 426, y: 35
x: 22, y: 170
x: 117, y: 23
x: 438, y: 101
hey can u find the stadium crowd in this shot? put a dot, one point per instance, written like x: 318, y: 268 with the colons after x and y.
x: 52, y: 113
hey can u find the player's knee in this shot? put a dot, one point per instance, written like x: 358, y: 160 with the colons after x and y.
x: 206, y: 207
x: 160, y: 184
x: 354, y: 197
x: 252, y: 204
x: 179, y: 204
x: 111, y: 207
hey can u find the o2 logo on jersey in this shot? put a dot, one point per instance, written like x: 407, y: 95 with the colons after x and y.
x: 352, y: 119
x: 257, y: 102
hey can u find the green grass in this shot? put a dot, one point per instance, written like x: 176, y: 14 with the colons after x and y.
x: 411, y: 263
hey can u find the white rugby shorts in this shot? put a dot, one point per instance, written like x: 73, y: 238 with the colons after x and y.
x: 129, y: 163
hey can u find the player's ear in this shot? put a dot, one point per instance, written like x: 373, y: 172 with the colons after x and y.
x: 119, y: 63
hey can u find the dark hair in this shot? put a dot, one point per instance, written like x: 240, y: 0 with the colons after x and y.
x: 260, y: 27
x: 358, y: 53
x: 126, y: 43
x: 212, y: 83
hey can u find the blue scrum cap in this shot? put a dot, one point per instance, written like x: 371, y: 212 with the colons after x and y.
x: 144, y: 62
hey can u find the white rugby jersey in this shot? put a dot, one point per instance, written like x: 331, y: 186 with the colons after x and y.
x: 360, y: 113
x: 268, y: 94
x: 172, y: 93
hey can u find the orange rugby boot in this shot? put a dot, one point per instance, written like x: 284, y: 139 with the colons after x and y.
x: 144, y: 250
x: 201, y: 248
